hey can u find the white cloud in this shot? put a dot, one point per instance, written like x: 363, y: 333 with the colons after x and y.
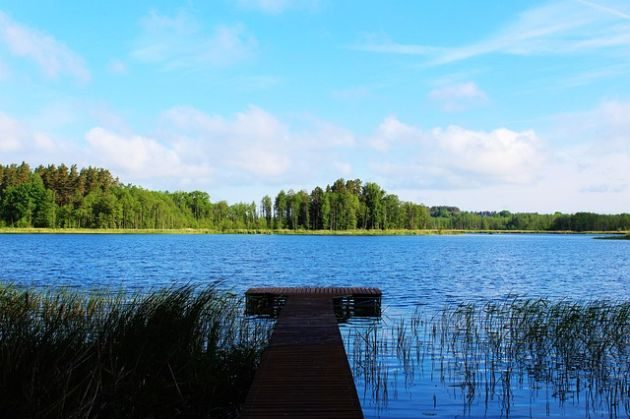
x: 137, y: 156
x: 19, y: 142
x: 499, y: 155
x: 130, y: 153
x: 457, y: 97
x: 593, y: 150
x: 606, y: 128
x: 555, y: 28
x: 603, y: 173
x: 254, y: 124
x: 275, y: 7
x: 344, y: 169
x: 391, y: 131
x: 16, y: 138
x: 454, y: 157
x: 181, y: 42
x: 317, y: 134
x: 11, y: 134
x: 571, y: 181
x: 52, y: 56
x: 261, y: 162
x: 255, y: 145
x: 581, y: 164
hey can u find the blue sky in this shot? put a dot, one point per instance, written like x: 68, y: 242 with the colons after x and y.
x: 523, y: 105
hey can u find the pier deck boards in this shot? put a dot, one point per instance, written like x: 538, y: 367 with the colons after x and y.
x: 304, y: 370
x: 314, y: 291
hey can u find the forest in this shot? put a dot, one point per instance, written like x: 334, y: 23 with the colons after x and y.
x: 68, y: 197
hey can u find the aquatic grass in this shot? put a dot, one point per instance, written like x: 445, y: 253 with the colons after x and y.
x: 369, y: 365
x: 562, y: 350
x: 175, y: 352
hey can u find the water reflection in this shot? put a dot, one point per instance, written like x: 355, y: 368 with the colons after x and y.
x: 517, y: 357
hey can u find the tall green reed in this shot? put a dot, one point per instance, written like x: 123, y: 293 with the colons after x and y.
x: 175, y: 352
x: 574, y: 350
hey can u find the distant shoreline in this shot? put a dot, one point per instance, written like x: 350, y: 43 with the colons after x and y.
x: 207, y: 231
x: 615, y: 237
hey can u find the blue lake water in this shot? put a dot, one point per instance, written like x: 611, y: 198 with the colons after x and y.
x: 412, y: 271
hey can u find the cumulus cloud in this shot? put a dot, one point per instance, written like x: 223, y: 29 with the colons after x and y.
x: 392, y: 131
x: 501, y: 154
x: 457, y: 97
x: 318, y: 134
x: 593, y: 147
x: 604, y: 129
x: 181, y: 42
x: 581, y: 164
x: 16, y: 137
x: 570, y: 181
x: 255, y: 145
x: 133, y: 154
x: 343, y: 168
x: 454, y: 157
x: 20, y: 142
x: 53, y: 57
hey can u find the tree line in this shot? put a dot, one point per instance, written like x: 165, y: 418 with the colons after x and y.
x: 68, y: 197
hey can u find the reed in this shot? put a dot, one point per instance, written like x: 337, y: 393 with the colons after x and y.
x: 576, y: 351
x: 175, y: 352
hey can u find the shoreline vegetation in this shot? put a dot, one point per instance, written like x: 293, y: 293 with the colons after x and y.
x: 178, y: 352
x: 616, y: 235
x: 191, y: 352
x: 66, y: 197
x: 485, y: 351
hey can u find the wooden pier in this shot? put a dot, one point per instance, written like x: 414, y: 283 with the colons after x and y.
x: 304, y: 370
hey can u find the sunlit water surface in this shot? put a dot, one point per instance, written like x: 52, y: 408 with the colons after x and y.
x: 414, y: 273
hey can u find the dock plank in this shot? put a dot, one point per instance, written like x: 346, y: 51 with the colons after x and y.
x: 332, y: 292
x: 304, y: 371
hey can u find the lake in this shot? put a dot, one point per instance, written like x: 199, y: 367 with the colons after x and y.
x: 423, y: 273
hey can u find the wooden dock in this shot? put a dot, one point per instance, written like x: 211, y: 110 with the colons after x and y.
x: 304, y: 370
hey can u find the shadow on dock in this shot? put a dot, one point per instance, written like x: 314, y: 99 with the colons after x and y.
x: 347, y: 302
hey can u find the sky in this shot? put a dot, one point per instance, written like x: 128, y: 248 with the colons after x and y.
x: 485, y: 105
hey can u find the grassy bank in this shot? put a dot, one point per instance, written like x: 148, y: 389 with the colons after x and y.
x: 357, y: 232
x: 177, y: 352
x: 9, y: 230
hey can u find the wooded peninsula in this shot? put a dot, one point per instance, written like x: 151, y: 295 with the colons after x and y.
x: 62, y: 197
